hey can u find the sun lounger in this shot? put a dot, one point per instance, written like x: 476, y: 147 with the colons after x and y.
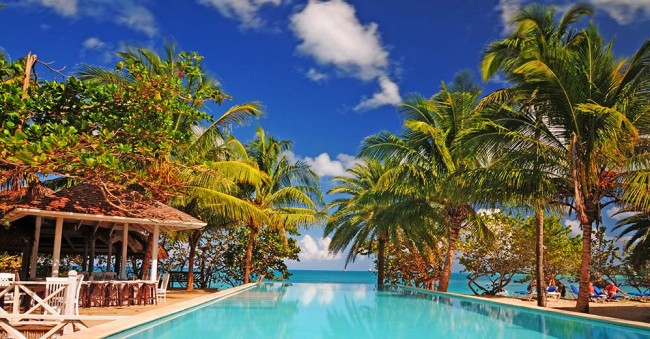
x: 593, y: 297
x: 639, y: 296
x: 552, y: 292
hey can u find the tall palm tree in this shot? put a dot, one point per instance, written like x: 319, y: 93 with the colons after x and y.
x: 593, y: 107
x: 288, y: 198
x: 426, y: 157
x: 638, y: 227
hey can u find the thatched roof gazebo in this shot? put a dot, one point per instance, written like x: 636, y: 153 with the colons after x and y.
x: 42, y: 220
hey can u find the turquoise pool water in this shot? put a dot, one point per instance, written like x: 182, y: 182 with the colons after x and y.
x: 360, y: 311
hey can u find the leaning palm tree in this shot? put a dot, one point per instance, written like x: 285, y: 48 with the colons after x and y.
x: 288, y: 198
x: 426, y: 159
x: 593, y: 107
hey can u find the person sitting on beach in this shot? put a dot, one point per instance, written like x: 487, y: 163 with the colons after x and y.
x: 611, y: 290
x: 592, y: 292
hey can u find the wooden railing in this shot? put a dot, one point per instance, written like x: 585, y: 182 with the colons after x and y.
x: 50, y: 315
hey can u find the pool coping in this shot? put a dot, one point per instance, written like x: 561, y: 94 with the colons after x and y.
x: 121, y: 325
x: 586, y: 316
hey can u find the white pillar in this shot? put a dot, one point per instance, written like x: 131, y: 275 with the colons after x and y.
x: 154, y: 254
x: 58, y: 234
x: 34, y: 259
x: 125, y: 241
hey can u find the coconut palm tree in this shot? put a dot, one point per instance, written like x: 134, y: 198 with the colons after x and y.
x: 594, y: 108
x: 426, y: 159
x: 638, y: 227
x: 367, y: 213
x: 288, y: 198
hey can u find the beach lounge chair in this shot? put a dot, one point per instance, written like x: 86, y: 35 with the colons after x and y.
x: 593, y: 297
x: 525, y: 295
x: 551, y: 292
x: 616, y: 297
x: 639, y: 296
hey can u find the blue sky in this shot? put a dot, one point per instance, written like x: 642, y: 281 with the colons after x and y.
x: 328, y: 72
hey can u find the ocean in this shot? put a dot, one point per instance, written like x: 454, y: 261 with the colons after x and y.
x: 457, y: 283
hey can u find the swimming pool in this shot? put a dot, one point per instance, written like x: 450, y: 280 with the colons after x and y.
x: 360, y: 311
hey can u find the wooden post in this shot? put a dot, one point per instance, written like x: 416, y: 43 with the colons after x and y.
x: 125, y: 242
x: 154, y: 254
x: 58, y: 234
x: 69, y: 306
x: 34, y: 259
x: 109, y: 254
x: 84, y: 266
x: 91, y: 261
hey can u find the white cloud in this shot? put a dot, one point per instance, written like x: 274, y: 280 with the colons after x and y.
x: 139, y: 19
x: 93, y: 43
x: 315, y: 75
x: 331, y: 33
x: 624, y: 11
x: 508, y: 9
x: 63, y: 7
x: 325, y: 166
x: 612, y: 212
x: 575, y: 226
x: 133, y: 14
x: 244, y: 10
x: 389, y: 95
x: 311, y: 249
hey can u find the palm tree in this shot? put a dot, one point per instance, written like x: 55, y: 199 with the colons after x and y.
x: 288, y: 197
x: 593, y: 107
x: 365, y: 214
x: 638, y: 227
x: 426, y: 158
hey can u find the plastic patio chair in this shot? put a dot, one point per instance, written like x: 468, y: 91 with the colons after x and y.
x: 552, y: 292
x: 56, y: 288
x: 80, y: 279
x: 7, y: 279
x: 161, y: 290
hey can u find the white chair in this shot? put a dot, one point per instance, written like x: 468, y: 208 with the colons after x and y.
x: 80, y: 279
x: 7, y: 279
x: 161, y: 290
x: 56, y: 287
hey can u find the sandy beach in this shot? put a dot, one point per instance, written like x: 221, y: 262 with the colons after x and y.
x: 629, y: 310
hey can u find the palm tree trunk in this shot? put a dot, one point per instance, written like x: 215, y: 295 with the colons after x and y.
x: 582, y: 304
x: 539, y: 251
x: 587, y: 213
x: 380, y: 261
x: 451, y: 248
x: 249, y: 252
x: 193, y: 242
x: 146, y: 262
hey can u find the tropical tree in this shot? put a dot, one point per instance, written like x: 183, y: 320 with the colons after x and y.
x: 592, y: 110
x: 637, y: 227
x: 288, y: 197
x: 366, y: 214
x: 211, y: 164
x: 426, y: 157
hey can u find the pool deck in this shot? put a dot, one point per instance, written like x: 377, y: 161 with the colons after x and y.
x: 624, y: 313
x: 177, y: 301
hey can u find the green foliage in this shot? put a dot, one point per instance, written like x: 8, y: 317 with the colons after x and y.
x: 412, y: 265
x: 510, y: 252
x: 497, y: 260
x: 561, y: 249
x: 221, y: 254
x: 605, y: 258
x: 118, y: 133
